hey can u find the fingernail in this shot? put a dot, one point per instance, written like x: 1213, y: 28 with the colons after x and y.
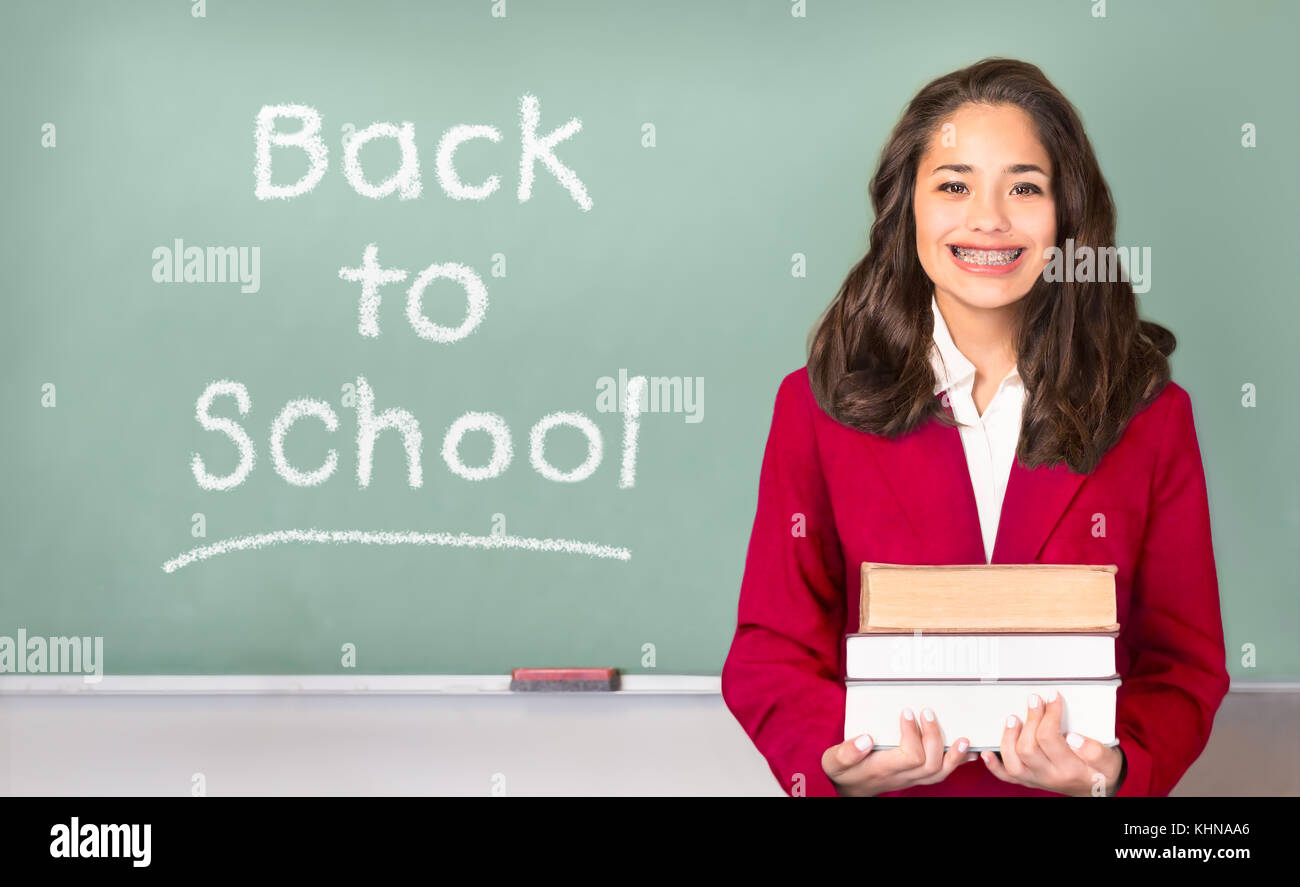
x: 1011, y: 721
x: 1051, y: 696
x: 907, y: 713
x: 929, y: 715
x: 1074, y: 740
x: 962, y: 745
x: 1033, y: 700
x: 863, y: 742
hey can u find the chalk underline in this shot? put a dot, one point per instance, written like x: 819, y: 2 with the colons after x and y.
x: 384, y: 537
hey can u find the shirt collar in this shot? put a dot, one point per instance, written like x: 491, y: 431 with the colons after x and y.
x: 951, y: 368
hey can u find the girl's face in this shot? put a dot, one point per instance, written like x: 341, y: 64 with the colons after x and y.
x: 985, y: 217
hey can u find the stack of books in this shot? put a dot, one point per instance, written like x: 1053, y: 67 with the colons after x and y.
x: 971, y: 642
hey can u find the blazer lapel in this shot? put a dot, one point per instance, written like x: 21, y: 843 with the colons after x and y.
x: 927, y: 473
x: 1033, y: 504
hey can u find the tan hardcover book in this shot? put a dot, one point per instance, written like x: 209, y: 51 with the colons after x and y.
x: 988, y: 597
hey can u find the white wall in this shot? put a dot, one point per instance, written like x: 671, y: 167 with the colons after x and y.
x: 543, y: 744
x: 82, y: 742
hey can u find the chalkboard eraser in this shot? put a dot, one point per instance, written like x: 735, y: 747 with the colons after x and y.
x: 563, y: 680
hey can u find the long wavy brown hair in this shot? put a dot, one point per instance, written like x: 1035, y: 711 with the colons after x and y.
x: 1088, y: 364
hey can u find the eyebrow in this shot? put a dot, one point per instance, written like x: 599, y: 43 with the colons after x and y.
x: 1014, y: 169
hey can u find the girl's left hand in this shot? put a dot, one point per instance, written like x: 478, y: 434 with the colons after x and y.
x: 1035, y: 754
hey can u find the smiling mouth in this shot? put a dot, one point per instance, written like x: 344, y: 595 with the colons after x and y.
x: 986, y: 256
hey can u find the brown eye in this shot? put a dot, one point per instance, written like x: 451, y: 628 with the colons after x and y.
x: 1033, y: 189
x: 946, y: 186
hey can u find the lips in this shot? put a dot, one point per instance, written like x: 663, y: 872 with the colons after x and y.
x: 993, y: 257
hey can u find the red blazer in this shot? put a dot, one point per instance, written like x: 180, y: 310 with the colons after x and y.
x: 910, y: 501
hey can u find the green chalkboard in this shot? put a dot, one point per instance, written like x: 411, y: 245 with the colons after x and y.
x: 707, y: 196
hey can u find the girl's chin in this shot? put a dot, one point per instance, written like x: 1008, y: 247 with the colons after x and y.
x: 994, y: 293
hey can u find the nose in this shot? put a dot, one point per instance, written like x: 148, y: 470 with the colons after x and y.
x: 986, y: 212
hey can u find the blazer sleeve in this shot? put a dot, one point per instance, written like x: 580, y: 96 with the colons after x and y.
x: 1177, y: 669
x: 782, y: 676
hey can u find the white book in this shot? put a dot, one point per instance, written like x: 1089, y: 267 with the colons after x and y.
x: 977, y: 710
x: 1034, y: 656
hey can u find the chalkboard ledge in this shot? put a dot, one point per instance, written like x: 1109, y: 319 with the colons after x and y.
x: 226, y: 685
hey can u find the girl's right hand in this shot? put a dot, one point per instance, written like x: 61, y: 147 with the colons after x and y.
x: 919, y: 759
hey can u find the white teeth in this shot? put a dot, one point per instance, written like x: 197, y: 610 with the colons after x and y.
x: 986, y: 256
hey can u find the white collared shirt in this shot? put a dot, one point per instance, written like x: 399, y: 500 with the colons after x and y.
x: 989, y: 440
